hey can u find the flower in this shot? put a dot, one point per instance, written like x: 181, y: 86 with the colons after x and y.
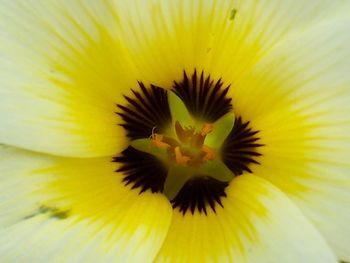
x: 174, y: 131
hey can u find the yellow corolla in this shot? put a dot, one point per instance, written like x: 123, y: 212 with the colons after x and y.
x: 175, y: 131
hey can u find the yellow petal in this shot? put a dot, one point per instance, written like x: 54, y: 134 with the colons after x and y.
x: 256, y: 224
x: 224, y: 38
x: 75, y: 210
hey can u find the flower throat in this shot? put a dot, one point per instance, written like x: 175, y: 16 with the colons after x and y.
x: 185, y: 142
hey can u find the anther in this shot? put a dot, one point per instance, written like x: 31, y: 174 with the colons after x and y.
x: 180, y: 158
x: 207, y: 128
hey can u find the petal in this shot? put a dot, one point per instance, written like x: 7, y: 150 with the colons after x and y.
x: 72, y: 210
x: 256, y: 224
x: 303, y: 115
x: 62, y: 71
x: 326, y: 202
x: 223, y: 38
x: 67, y: 63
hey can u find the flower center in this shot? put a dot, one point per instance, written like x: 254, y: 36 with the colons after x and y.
x: 185, y: 143
x: 188, y: 148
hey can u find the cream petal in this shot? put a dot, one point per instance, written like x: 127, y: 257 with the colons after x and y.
x: 257, y: 223
x: 67, y: 63
x: 303, y: 115
x: 63, y: 112
x: 74, y: 210
x: 62, y: 71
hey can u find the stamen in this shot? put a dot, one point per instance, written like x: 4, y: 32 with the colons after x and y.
x: 180, y: 158
x: 207, y: 128
x: 190, y: 151
x: 184, y: 134
x: 209, y: 153
x: 158, y: 141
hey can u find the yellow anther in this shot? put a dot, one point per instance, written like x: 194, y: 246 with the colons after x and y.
x: 157, y: 140
x: 206, y: 129
x: 180, y: 158
x: 209, y: 153
x: 189, y: 149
